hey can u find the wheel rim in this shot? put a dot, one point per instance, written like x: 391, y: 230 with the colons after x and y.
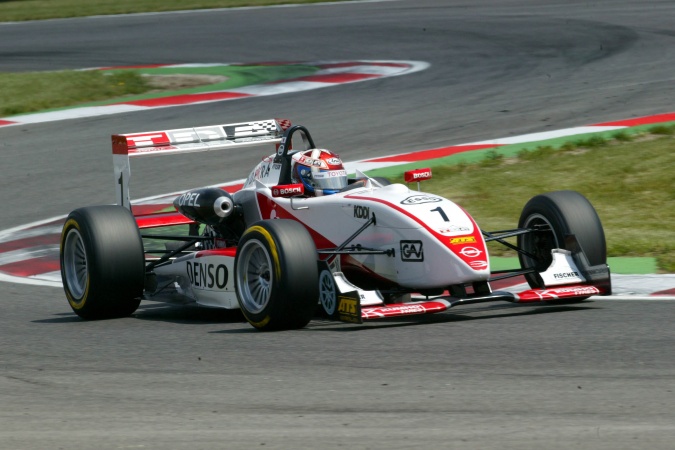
x: 76, y: 272
x: 254, y: 276
x: 539, y: 243
x: 327, y: 292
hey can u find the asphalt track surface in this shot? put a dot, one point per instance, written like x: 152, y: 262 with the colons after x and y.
x: 597, y: 375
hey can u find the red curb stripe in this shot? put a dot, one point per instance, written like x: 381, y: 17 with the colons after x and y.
x: 185, y: 99
x: 659, y: 118
x: 667, y: 292
x: 24, y: 243
x: 433, y: 154
x: 30, y: 267
x: 7, y: 122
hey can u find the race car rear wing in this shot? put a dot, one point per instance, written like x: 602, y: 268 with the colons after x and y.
x: 186, y: 140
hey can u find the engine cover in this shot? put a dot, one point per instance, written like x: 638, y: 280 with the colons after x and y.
x: 206, y: 205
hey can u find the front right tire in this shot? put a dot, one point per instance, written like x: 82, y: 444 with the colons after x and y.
x: 554, y: 216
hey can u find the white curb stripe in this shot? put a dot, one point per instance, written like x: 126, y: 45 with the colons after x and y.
x: 380, y: 69
x: 547, y: 135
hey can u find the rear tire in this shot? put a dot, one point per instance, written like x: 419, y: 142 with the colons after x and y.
x: 560, y: 213
x: 102, y: 262
x: 276, y: 275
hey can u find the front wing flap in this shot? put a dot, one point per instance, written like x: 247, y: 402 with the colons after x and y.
x: 443, y: 303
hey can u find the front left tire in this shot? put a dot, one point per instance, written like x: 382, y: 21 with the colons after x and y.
x: 276, y: 275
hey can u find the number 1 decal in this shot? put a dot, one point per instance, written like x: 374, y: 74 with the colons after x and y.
x: 442, y: 213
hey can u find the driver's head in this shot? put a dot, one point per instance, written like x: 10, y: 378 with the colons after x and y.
x: 320, y: 170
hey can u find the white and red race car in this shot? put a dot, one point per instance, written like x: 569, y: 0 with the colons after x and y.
x: 372, y: 250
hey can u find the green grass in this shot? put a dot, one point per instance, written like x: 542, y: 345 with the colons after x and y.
x: 21, y: 10
x: 22, y: 93
x: 629, y: 180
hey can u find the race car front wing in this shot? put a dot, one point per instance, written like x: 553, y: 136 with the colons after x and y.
x: 349, y: 308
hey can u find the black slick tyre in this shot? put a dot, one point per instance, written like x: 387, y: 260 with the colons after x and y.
x: 276, y: 275
x: 554, y: 216
x: 102, y: 262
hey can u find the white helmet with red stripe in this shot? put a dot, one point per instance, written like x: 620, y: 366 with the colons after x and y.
x: 320, y: 170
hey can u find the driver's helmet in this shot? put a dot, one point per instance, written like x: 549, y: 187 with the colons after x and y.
x: 320, y: 170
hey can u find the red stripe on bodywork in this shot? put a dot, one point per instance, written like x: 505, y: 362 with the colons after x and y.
x: 432, y: 154
x: 30, y: 267
x: 185, y: 99
x: 457, y: 248
x: 667, y: 117
x: 228, y: 251
x: 269, y: 208
x: 162, y: 220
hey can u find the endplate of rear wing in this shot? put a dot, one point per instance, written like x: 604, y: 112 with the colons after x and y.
x: 187, y: 140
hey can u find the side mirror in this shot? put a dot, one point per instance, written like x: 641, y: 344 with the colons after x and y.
x: 417, y: 175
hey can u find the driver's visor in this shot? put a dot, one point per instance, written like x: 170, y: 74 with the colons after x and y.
x: 330, y: 179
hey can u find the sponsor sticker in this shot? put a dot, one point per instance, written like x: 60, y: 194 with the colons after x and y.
x: 412, y: 251
x: 330, y: 174
x: 207, y: 276
x: 478, y: 265
x: 361, y: 212
x: 471, y: 252
x: 348, y: 309
x: 564, y: 275
x: 419, y: 199
x: 462, y: 240
x: 417, y: 175
x: 288, y: 190
x: 334, y: 161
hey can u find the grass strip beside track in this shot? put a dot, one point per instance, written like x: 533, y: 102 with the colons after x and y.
x: 22, y: 93
x: 627, y: 178
x: 617, y: 264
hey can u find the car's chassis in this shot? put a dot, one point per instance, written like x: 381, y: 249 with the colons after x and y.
x: 274, y: 254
